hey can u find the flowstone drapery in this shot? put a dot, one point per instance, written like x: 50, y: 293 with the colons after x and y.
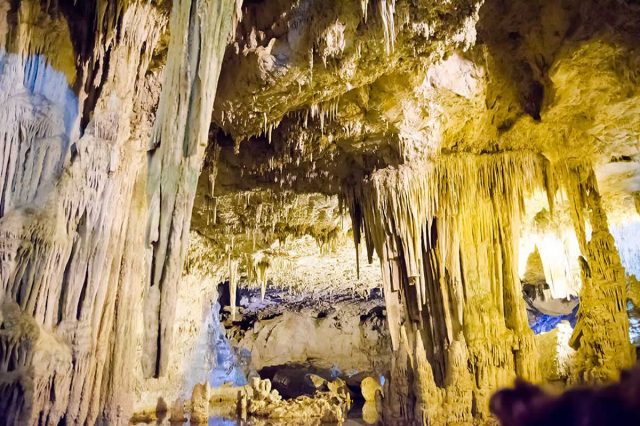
x: 447, y: 234
x: 446, y: 239
x: 69, y: 248
x: 80, y: 87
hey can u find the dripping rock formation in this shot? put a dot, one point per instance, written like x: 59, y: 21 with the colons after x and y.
x: 314, y: 209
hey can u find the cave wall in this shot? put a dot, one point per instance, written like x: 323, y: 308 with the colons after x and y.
x: 330, y: 329
x: 86, y: 159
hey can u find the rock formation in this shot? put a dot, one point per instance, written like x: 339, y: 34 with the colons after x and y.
x: 97, y: 185
x: 324, y: 407
x: 330, y: 332
x: 480, y: 153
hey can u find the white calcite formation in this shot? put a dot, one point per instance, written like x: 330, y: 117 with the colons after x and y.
x: 87, y: 164
x: 152, y: 149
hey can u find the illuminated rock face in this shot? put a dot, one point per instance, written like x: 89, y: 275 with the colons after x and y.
x: 469, y: 146
x: 88, y: 162
x: 341, y: 332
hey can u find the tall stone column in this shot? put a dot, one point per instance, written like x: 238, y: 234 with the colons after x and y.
x: 446, y: 233
x: 601, y: 335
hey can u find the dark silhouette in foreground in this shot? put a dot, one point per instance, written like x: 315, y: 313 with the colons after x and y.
x: 528, y: 405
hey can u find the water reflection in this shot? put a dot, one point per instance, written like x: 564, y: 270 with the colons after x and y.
x: 359, y: 414
x: 223, y: 421
x: 223, y: 414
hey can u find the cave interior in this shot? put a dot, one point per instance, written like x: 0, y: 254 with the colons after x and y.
x: 306, y: 212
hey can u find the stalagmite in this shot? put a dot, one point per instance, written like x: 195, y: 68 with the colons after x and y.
x: 176, y: 414
x: 323, y: 407
x: 200, y: 404
x: 370, y: 388
x: 601, y: 335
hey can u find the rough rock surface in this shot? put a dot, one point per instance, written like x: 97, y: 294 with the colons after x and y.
x: 340, y: 331
x: 97, y: 187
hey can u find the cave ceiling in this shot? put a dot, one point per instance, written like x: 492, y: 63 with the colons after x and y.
x: 315, y: 96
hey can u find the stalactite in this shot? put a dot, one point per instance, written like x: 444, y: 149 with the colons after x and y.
x: 213, y: 174
x: 555, y: 248
x: 364, y: 6
x: 261, y: 274
x: 386, y: 9
x: 233, y: 284
x: 258, y: 265
x: 387, y: 12
x: 328, y: 240
x: 199, y: 29
x: 446, y: 234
